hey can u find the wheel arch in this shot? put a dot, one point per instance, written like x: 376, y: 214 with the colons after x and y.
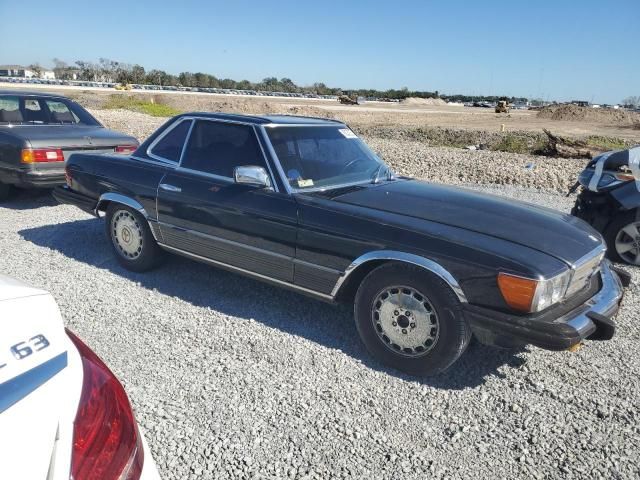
x: 112, y: 197
x: 350, y: 280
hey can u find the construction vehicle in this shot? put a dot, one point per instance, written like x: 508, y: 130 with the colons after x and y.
x: 348, y: 99
x: 503, y: 107
x: 123, y: 86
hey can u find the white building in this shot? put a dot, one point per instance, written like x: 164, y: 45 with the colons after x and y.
x: 15, y: 71
x: 25, y: 72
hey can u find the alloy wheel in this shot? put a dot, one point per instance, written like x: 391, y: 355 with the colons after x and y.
x: 628, y: 243
x: 405, y: 320
x: 126, y: 234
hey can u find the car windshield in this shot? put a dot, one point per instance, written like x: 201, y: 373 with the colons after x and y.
x: 34, y: 110
x: 321, y: 157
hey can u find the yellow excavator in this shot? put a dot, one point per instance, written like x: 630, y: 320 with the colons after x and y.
x: 503, y: 107
x: 348, y: 99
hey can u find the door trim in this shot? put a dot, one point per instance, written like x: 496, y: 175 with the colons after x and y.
x: 216, y: 238
x: 249, y: 273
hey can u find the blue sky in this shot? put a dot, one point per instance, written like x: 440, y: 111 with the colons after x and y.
x: 549, y: 49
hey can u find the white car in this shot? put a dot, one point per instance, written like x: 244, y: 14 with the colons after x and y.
x: 63, y: 414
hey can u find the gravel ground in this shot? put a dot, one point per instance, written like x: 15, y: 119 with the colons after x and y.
x: 231, y: 378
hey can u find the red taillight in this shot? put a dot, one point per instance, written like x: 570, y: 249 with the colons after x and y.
x: 126, y: 149
x: 42, y: 155
x: 106, y: 441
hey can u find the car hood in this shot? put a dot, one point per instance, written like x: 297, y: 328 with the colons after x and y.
x: 560, y: 235
x: 71, y: 136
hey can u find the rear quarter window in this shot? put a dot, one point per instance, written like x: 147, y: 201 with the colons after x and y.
x: 169, y: 147
x: 60, y: 112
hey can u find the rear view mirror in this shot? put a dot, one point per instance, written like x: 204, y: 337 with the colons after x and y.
x: 252, y: 175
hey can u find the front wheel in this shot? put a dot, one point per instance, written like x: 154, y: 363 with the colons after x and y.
x: 410, y: 319
x: 623, y: 239
x: 131, y: 239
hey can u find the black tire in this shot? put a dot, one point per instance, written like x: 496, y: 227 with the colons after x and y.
x: 611, y: 233
x: 453, y: 332
x: 5, y: 191
x: 148, y: 254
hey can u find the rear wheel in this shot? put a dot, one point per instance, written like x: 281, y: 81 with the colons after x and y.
x: 410, y: 319
x: 623, y: 239
x: 131, y: 239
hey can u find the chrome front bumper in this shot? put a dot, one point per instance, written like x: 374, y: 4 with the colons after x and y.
x: 589, y: 320
x: 605, y: 303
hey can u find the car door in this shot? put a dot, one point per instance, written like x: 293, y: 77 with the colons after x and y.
x: 202, y: 211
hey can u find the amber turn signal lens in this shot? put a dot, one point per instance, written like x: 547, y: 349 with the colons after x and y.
x: 518, y: 292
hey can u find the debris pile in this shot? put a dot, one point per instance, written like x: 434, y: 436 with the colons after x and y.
x: 589, y: 114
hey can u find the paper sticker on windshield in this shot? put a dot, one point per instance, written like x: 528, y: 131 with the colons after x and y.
x: 302, y: 183
x: 347, y: 133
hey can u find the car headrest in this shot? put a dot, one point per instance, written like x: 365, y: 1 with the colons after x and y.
x: 10, y: 116
x: 62, y: 117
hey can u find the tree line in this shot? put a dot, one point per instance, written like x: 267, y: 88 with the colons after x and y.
x: 632, y: 102
x: 106, y: 70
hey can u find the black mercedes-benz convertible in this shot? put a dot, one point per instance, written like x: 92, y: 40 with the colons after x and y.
x: 303, y: 203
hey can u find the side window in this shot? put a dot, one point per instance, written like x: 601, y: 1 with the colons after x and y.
x: 170, y: 146
x: 60, y: 113
x: 10, y: 110
x: 217, y: 148
x: 31, y: 104
x: 33, y: 111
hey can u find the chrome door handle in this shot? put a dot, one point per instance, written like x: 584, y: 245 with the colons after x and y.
x: 170, y: 188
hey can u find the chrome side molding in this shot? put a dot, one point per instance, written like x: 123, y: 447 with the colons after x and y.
x: 248, y: 273
x: 422, y: 262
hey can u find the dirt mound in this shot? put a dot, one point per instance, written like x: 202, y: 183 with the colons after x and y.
x: 423, y: 101
x: 588, y: 114
x: 193, y: 103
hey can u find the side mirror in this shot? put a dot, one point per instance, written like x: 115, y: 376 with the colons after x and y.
x: 252, y: 175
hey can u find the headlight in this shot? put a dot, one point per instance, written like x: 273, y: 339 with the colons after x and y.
x: 527, y: 295
x: 606, y: 180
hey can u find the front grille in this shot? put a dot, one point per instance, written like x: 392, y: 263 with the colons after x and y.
x: 584, y: 269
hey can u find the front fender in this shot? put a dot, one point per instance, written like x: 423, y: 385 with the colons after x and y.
x: 628, y: 196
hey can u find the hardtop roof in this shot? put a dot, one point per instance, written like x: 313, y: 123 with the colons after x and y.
x: 31, y: 93
x: 265, y: 119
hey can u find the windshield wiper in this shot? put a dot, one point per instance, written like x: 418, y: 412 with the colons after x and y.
x: 383, y: 171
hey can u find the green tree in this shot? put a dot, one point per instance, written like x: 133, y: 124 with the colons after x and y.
x: 227, y: 83
x: 632, y: 101
x: 155, y: 77
x: 287, y: 85
x: 137, y: 74
x: 36, y: 69
x: 201, y: 79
